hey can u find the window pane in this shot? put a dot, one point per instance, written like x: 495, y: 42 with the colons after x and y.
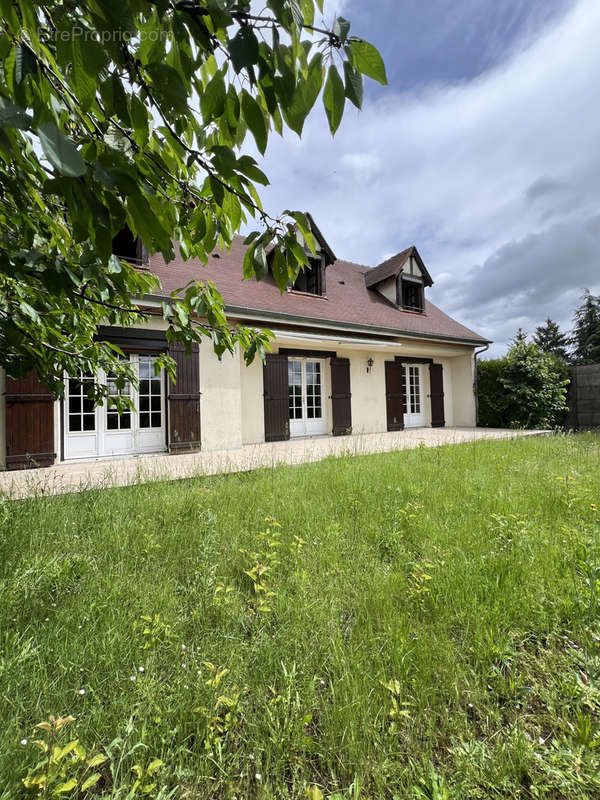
x: 155, y: 385
x: 156, y: 420
x: 89, y: 422
x: 156, y: 403
x: 144, y: 420
x: 75, y: 405
x: 112, y: 421
x: 74, y: 422
x: 144, y: 403
x: 125, y: 420
x: 144, y: 387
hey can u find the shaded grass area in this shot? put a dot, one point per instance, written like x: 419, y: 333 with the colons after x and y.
x: 416, y: 624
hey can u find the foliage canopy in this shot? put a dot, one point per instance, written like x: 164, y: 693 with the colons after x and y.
x: 130, y: 114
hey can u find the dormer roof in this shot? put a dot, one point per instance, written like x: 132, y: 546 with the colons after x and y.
x: 393, y: 266
x: 325, y: 248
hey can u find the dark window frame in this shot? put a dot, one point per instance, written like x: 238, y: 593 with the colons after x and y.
x: 311, y: 279
x: 414, y: 283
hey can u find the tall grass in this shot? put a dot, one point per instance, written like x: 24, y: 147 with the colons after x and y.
x: 415, y: 624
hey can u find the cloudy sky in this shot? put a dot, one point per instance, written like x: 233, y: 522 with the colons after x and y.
x: 484, y: 151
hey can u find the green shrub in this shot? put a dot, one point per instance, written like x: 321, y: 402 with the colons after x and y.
x: 491, y: 394
x: 525, y: 389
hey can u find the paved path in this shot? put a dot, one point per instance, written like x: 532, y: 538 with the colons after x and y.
x: 73, y: 477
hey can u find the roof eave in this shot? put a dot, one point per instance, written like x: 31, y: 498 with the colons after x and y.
x: 398, y: 332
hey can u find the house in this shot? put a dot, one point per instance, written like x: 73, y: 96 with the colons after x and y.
x: 356, y: 350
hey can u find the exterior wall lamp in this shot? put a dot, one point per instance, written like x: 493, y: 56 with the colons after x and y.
x: 370, y: 363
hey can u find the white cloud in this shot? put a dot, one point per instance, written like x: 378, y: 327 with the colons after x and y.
x: 495, y: 180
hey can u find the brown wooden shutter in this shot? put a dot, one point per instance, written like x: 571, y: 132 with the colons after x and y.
x: 276, y: 398
x: 184, y: 400
x: 29, y: 423
x: 340, y: 396
x: 394, y: 396
x: 436, y: 393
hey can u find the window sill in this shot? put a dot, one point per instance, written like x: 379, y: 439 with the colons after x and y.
x: 307, y: 294
x: 412, y: 311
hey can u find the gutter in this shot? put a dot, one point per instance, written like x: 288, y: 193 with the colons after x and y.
x: 476, y: 393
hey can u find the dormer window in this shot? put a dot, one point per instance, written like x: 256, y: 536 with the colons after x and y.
x: 130, y: 248
x: 410, y: 293
x: 311, y: 279
x: 401, y: 279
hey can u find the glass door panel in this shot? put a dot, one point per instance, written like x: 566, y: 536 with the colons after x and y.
x: 80, y: 418
x: 413, y: 396
x: 306, y: 397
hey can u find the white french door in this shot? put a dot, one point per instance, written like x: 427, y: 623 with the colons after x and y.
x: 306, y: 401
x: 412, y: 386
x: 96, y: 432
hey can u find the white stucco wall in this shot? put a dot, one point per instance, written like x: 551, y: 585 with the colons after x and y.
x: 462, y: 390
x: 388, y: 289
x: 221, y: 399
x: 253, y: 418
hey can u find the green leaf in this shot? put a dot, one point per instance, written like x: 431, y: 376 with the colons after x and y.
x: 247, y: 165
x: 334, y: 98
x: 212, y: 102
x: 25, y: 63
x: 341, y: 28
x: 96, y: 760
x: 91, y: 781
x: 29, y: 311
x: 60, y: 151
x: 353, y: 84
x: 83, y: 83
x: 305, y: 95
x: 139, y: 118
x: 169, y: 86
x: 243, y: 48
x: 308, y: 11
x: 12, y: 116
x: 248, y: 266
x: 367, y: 60
x: 154, y: 766
x: 279, y: 268
x: 255, y: 120
x: 67, y: 786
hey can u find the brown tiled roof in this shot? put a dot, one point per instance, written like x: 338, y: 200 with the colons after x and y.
x: 348, y: 302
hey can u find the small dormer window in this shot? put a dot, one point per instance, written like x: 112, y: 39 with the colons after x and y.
x: 130, y: 248
x: 311, y: 279
x: 411, y: 293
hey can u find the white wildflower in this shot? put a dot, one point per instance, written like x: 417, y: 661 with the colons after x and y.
x: 24, y: 742
x: 81, y: 691
x: 258, y: 776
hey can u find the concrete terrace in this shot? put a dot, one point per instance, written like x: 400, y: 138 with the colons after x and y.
x: 82, y: 475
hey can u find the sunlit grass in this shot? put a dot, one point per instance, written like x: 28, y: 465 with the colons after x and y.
x: 415, y: 624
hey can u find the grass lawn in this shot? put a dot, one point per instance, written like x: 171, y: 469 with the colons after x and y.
x: 421, y: 624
